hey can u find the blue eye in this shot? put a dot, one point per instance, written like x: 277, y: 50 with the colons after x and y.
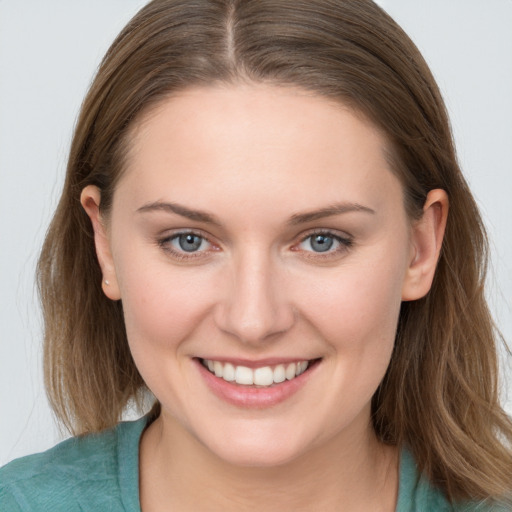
x: 188, y: 242
x: 321, y: 243
x: 187, y: 246
x: 324, y: 243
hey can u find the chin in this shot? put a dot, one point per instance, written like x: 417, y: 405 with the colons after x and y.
x: 257, y: 456
x: 250, y: 448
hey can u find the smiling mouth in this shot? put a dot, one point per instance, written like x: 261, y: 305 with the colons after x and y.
x: 265, y: 376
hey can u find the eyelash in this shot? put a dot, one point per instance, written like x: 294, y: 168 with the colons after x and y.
x: 165, y: 244
x: 345, y: 244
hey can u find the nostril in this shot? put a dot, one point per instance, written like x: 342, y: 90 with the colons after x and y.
x: 255, y: 325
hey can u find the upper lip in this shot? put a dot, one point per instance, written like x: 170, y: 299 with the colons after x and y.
x: 252, y: 363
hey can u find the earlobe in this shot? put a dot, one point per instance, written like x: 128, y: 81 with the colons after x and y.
x: 90, y: 199
x: 426, y: 239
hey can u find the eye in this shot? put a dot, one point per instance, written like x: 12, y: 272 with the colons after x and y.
x: 186, y: 245
x: 324, y: 243
x: 189, y: 242
x: 319, y: 243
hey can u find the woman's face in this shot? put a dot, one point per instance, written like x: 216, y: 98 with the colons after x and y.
x: 258, y: 230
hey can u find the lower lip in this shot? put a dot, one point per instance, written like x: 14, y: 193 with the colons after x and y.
x: 254, y: 397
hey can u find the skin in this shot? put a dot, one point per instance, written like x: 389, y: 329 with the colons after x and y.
x: 255, y: 157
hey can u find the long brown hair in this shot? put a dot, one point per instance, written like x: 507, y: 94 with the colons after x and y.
x: 440, y: 393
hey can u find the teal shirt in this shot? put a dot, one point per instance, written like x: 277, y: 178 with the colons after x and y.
x: 100, y: 473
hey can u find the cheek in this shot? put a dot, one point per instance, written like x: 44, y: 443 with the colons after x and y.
x: 356, y: 308
x: 163, y: 308
x: 162, y: 304
x: 356, y: 314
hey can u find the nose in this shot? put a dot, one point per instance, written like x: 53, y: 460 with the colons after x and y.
x: 255, y: 307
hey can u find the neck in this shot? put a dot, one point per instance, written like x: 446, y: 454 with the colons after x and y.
x: 348, y: 473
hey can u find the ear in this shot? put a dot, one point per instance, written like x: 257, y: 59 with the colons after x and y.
x: 90, y: 199
x: 426, y: 241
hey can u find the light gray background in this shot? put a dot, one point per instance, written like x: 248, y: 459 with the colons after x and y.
x: 48, y: 53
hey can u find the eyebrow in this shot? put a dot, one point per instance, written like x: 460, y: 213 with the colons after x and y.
x: 298, y: 218
x: 329, y: 211
x: 179, y: 209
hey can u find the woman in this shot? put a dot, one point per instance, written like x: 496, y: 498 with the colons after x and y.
x: 264, y: 224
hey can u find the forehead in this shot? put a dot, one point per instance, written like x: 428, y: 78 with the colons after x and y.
x: 251, y: 141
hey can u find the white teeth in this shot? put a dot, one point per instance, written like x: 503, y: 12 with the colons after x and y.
x: 229, y: 372
x: 218, y: 368
x: 290, y: 371
x: 301, y: 367
x: 244, y: 375
x: 279, y: 374
x: 263, y: 376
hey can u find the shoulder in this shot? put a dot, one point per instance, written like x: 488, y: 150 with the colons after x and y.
x: 81, y: 473
x: 417, y: 494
